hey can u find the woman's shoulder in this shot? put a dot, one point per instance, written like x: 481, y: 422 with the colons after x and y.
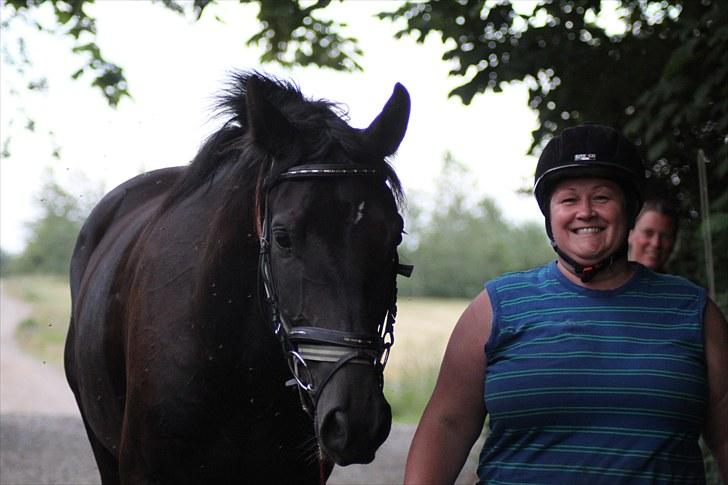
x: 514, y: 279
x: 668, y: 280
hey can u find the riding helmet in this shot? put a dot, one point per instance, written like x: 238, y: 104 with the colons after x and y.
x: 590, y: 150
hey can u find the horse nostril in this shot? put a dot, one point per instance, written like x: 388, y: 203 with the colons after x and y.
x: 334, y: 430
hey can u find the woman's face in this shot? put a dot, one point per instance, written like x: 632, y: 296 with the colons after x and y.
x: 651, y: 241
x: 588, y: 218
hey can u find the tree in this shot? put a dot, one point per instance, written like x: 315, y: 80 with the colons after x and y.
x: 6, y: 261
x: 291, y: 34
x: 663, y: 78
x: 53, y: 234
x: 461, y: 241
x: 659, y: 71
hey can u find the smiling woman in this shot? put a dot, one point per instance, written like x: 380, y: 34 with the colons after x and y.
x: 608, y: 171
x: 587, y: 218
x: 595, y: 369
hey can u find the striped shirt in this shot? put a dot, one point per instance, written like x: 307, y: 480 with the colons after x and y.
x: 594, y: 386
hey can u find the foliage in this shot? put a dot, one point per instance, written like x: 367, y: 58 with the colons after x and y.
x: 43, y: 333
x: 461, y: 243
x: 659, y: 70
x: 53, y: 234
x: 6, y: 261
x: 73, y: 21
x: 662, y: 77
x: 290, y: 34
x: 287, y: 26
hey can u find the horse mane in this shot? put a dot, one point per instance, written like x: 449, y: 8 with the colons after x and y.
x: 323, y: 122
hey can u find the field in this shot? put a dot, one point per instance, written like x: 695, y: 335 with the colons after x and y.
x: 421, y: 332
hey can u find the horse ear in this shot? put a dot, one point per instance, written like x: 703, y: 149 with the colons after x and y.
x: 268, y: 128
x: 387, y: 130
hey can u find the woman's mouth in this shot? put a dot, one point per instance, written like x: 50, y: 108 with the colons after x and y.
x: 588, y: 230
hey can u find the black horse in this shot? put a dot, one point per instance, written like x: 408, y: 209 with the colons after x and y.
x: 210, y: 301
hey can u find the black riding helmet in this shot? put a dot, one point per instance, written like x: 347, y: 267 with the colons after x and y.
x: 590, y: 150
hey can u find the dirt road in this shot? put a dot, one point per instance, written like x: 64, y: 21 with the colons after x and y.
x: 42, y: 440
x: 27, y: 385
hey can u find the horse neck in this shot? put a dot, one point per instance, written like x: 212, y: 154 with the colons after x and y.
x: 227, y: 286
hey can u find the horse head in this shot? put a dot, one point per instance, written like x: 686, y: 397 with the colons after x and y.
x: 329, y: 229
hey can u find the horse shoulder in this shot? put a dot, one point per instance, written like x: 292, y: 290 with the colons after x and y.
x: 115, y: 205
x: 94, y: 358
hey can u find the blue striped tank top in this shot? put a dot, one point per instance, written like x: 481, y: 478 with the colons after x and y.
x: 591, y: 386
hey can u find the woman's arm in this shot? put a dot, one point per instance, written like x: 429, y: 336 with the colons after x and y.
x: 454, y: 416
x: 716, y: 356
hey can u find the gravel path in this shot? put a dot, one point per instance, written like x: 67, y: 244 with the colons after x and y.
x: 42, y: 440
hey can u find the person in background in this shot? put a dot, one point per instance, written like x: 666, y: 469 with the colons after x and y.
x: 592, y: 369
x: 653, y: 238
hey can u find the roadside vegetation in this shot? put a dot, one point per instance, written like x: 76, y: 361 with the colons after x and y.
x: 422, y: 330
x: 423, y: 326
x: 43, y: 332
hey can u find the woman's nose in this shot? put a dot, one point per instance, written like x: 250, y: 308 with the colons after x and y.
x: 586, y: 209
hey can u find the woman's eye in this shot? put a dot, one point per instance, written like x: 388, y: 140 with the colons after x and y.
x: 282, y: 239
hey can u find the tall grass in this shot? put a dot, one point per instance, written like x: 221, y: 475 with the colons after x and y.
x: 409, y: 392
x: 422, y: 331
x: 43, y: 332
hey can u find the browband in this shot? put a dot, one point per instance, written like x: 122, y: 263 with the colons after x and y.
x: 322, y: 170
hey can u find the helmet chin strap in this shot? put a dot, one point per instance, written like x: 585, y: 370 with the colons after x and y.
x: 587, y: 273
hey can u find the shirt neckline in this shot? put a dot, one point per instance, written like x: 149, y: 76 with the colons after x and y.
x: 570, y: 285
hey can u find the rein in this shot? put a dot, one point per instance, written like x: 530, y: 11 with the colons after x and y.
x: 303, y: 344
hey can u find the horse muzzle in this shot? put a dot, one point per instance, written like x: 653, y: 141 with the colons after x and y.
x: 353, y: 418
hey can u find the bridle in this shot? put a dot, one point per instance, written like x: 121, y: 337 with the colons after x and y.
x: 303, y: 344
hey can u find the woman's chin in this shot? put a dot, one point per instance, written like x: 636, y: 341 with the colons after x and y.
x: 588, y: 257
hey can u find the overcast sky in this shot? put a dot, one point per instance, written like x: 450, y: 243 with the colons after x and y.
x: 175, y: 66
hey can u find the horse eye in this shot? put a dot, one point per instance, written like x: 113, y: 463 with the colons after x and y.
x: 282, y: 239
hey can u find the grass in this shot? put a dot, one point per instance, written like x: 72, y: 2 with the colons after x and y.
x: 421, y: 333
x: 43, y: 332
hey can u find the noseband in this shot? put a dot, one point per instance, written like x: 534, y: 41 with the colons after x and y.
x: 303, y: 344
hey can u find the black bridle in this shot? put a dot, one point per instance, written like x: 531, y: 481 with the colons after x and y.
x: 301, y: 344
